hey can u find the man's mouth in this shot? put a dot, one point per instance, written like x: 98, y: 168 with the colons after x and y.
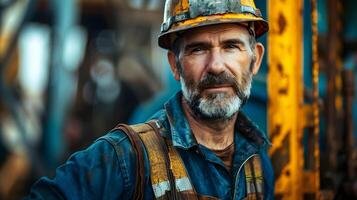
x: 218, y: 88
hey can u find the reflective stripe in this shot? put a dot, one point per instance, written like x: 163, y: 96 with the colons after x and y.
x: 166, y: 165
x: 161, y: 188
x: 182, y: 184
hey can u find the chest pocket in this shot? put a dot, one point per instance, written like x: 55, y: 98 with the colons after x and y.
x: 169, y: 178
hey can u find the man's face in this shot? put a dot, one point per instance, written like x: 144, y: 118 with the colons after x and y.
x: 215, y: 65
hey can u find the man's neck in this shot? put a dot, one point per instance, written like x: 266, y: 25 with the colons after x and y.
x: 213, y: 134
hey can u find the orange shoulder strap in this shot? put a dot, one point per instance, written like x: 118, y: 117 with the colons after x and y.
x: 169, y: 177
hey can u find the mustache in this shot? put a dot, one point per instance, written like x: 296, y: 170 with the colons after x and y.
x: 212, y: 80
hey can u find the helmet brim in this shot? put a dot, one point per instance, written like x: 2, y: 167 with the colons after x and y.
x: 260, y: 26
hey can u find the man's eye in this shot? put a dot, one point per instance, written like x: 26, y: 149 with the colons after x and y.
x: 197, y: 50
x: 232, y: 46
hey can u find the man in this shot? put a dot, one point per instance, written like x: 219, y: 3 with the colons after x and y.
x: 200, y: 146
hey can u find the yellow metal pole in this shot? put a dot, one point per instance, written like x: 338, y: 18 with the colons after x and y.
x: 285, y: 89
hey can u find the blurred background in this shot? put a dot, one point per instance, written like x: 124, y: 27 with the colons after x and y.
x: 70, y: 70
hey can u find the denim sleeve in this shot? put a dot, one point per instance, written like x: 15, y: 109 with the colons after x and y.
x: 268, y: 176
x: 100, y: 172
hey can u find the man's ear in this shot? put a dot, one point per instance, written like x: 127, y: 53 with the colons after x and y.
x: 172, y: 61
x: 259, y: 53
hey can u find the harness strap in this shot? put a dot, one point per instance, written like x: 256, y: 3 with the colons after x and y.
x: 169, y: 177
x: 138, y: 149
x: 254, y: 179
x: 161, y: 177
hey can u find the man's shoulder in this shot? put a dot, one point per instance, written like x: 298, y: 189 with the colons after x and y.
x: 115, y: 136
x: 118, y: 140
x: 107, y: 145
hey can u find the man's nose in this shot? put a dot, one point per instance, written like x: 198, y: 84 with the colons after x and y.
x: 215, y: 63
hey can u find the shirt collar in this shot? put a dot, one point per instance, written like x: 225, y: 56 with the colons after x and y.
x: 251, y: 131
x: 180, y: 129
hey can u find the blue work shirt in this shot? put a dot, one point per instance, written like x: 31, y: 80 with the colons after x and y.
x: 107, y: 169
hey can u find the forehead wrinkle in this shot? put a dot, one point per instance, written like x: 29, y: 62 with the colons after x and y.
x: 203, y: 35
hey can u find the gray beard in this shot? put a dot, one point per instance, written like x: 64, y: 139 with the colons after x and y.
x: 219, y: 106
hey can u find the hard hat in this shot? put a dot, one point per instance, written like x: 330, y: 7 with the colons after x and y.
x: 180, y: 15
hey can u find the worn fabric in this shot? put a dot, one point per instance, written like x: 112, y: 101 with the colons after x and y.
x: 107, y: 169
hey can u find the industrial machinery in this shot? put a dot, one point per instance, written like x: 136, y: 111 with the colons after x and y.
x: 310, y: 122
